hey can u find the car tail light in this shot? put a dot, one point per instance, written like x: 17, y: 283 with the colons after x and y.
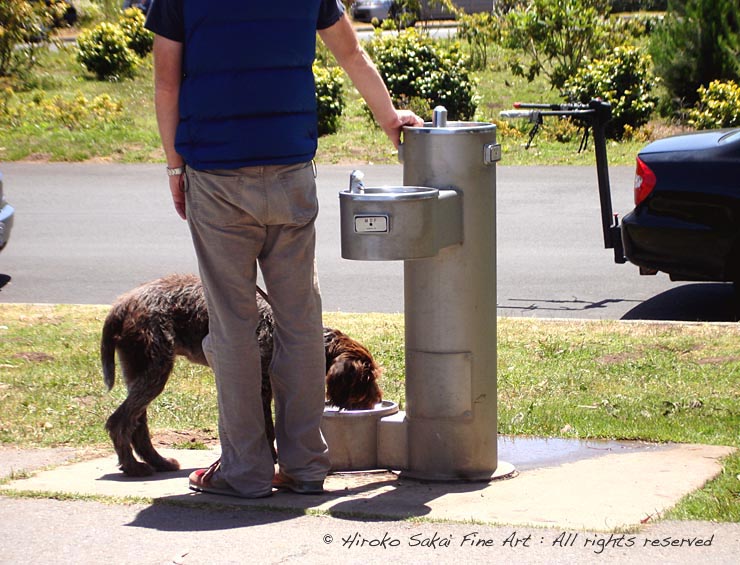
x: 644, y: 181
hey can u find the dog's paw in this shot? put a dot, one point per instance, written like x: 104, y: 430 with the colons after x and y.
x: 166, y: 465
x: 138, y: 469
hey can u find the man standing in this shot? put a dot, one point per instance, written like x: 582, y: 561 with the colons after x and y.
x: 236, y: 110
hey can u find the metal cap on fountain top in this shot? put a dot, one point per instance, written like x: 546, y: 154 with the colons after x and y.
x: 356, y: 184
x: 439, y: 119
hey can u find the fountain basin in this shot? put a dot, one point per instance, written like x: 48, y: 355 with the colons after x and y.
x: 352, y: 435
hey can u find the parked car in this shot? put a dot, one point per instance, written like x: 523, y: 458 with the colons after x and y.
x: 367, y: 10
x: 686, y: 220
x: 6, y: 217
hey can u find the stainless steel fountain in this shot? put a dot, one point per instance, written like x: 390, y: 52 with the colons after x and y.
x: 442, y: 224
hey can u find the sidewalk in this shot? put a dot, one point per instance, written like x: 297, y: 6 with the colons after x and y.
x: 583, y: 509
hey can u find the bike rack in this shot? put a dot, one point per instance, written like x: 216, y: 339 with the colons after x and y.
x: 595, y: 115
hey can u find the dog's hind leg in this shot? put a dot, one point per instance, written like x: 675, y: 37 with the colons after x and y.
x: 142, y: 442
x: 149, y: 384
x: 121, y: 426
x: 145, y: 372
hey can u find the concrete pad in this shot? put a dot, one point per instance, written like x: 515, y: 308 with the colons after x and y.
x: 607, y: 491
x: 15, y: 461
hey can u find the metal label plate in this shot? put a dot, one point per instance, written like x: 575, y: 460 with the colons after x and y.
x: 372, y: 224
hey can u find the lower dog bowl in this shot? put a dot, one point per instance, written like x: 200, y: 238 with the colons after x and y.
x: 352, y: 435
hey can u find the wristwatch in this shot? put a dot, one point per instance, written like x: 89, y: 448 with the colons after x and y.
x: 174, y: 171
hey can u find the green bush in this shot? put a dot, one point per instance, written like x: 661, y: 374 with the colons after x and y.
x: 140, y: 39
x: 623, y: 78
x: 719, y: 106
x: 422, y: 74
x: 329, y: 97
x: 698, y: 42
x: 556, y: 37
x: 103, y: 50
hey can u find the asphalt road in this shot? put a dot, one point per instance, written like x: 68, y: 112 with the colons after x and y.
x: 85, y: 233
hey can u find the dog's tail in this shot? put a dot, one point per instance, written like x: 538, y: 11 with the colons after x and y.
x: 111, y: 331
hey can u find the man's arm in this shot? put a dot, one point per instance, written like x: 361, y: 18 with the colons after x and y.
x: 342, y: 41
x: 167, y: 77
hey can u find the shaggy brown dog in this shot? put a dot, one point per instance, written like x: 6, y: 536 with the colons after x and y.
x: 153, y: 323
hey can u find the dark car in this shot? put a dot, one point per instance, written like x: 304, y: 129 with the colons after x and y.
x: 686, y: 220
x: 6, y: 217
x: 367, y: 10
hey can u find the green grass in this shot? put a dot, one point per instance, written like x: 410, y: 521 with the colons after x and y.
x: 30, y: 130
x: 605, y: 379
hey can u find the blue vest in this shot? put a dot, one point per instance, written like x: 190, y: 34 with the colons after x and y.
x: 247, y: 95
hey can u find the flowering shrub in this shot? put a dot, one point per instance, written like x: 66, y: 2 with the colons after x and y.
x: 139, y: 39
x: 719, y: 106
x: 415, y: 69
x: 329, y: 97
x: 104, y: 51
x: 622, y: 78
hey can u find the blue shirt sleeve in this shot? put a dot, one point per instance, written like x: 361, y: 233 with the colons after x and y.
x: 329, y: 13
x: 165, y: 18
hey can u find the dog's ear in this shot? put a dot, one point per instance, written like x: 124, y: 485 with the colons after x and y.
x: 351, y: 383
x: 338, y: 382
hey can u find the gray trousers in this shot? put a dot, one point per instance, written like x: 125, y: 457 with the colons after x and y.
x: 239, y: 218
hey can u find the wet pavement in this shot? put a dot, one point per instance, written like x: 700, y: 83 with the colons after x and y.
x: 534, y: 452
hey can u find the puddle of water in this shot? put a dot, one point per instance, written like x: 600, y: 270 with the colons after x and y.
x: 533, y: 453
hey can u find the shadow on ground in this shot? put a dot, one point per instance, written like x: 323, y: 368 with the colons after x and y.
x: 695, y: 302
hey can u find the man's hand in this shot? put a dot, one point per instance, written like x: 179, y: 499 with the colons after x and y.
x: 403, y: 118
x: 177, y: 188
x: 341, y: 40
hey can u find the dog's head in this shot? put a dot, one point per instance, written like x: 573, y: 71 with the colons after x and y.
x: 351, y: 380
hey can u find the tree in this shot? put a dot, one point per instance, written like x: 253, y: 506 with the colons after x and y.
x: 699, y: 42
x: 558, y: 36
x: 24, y: 28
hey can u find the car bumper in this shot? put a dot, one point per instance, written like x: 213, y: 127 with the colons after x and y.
x: 684, y: 250
x: 6, y: 223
